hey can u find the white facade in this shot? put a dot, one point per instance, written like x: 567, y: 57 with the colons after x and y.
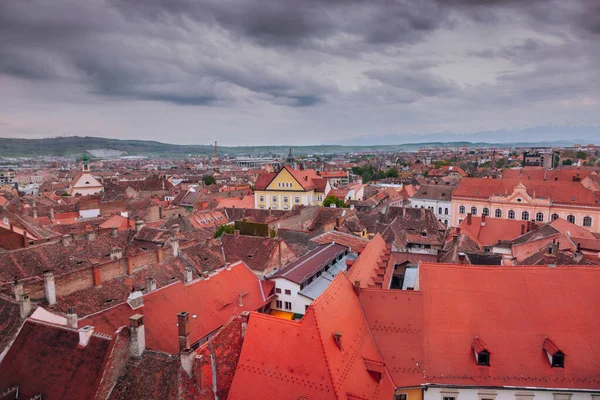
x: 92, y: 213
x: 441, y: 208
x: 437, y: 393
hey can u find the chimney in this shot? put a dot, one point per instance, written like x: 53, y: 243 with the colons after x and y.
x: 161, y: 214
x: 114, y: 232
x: 205, y: 275
x: 339, y: 222
x: 245, y: 318
x: 337, y: 336
x: 240, y: 300
x: 52, y: 214
x: 49, y: 288
x: 71, y: 319
x: 175, y: 246
x: 357, y: 287
x: 469, y: 219
x: 18, y: 289
x: 150, y: 285
x: 483, y: 220
x: 139, y: 224
x: 188, y: 274
x: 35, y: 214
x: 24, y: 306
x: 85, y: 334
x: 66, y: 240
x: 183, y: 324
x: 458, y: 230
x: 522, y: 229
x: 462, y: 258
x: 90, y: 235
x: 187, y: 357
x: 137, y: 345
x: 455, y: 239
x: 135, y: 299
x: 175, y: 229
x: 578, y: 247
x: 25, y: 240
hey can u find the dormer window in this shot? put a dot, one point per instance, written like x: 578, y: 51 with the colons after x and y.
x: 555, y: 356
x: 482, y: 354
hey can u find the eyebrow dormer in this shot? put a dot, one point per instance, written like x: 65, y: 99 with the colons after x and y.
x: 482, y: 354
x: 555, y: 356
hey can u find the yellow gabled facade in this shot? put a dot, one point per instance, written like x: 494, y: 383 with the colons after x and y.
x: 284, y: 192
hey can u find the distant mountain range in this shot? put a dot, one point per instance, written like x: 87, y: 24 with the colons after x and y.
x: 76, y: 146
x: 550, y: 134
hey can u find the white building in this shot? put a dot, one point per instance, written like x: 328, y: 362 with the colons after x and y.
x: 84, y: 183
x: 302, y: 281
x: 436, y: 198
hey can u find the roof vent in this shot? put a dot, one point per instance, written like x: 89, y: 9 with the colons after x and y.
x: 555, y: 356
x: 85, y: 334
x: 337, y: 336
x: 135, y: 299
x: 482, y: 355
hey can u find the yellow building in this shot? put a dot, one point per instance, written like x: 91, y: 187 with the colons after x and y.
x: 288, y: 188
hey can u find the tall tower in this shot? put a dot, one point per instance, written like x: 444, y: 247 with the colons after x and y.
x: 85, y: 163
x: 291, y: 161
x: 215, y: 157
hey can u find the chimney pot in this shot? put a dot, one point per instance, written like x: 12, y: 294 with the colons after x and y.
x: 24, y: 306
x: 150, y: 284
x: 188, y: 275
x: 187, y: 358
x: 135, y: 299
x: 139, y: 225
x: 114, y: 232
x: 71, y: 319
x: 183, y: 325
x: 85, y: 334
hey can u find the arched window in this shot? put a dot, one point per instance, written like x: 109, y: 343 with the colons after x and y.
x: 440, y: 210
x: 498, y: 213
x: 587, y: 221
x: 486, y: 211
x: 474, y: 210
x: 446, y: 211
x: 461, y: 209
x: 525, y: 215
x: 539, y: 217
x: 511, y: 214
x: 554, y: 217
x: 571, y: 219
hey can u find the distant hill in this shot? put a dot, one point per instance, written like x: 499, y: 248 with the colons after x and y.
x: 75, y: 146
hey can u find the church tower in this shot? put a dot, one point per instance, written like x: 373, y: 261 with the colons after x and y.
x: 85, y: 163
x: 291, y: 161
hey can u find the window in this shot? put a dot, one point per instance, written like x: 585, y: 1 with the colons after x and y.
x: 511, y: 214
x: 261, y: 198
x: 571, y: 219
x: 279, y: 184
x: 297, y: 200
x: 449, y: 398
x: 498, y: 213
x: 440, y: 210
x: 285, y: 199
x: 288, y: 305
x: 558, y: 360
x: 486, y: 211
x: 483, y: 358
x: 461, y: 209
x: 288, y: 292
x: 278, y: 304
x: 400, y: 396
x: 539, y: 217
x: 554, y: 217
x: 274, y: 199
x: 525, y: 215
x: 446, y: 211
x: 474, y: 210
x: 587, y: 221
x: 277, y: 290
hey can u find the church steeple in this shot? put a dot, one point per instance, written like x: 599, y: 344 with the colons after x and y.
x: 85, y: 163
x: 291, y: 161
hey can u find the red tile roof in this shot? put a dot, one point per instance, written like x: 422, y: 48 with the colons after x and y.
x: 46, y: 359
x: 307, y: 266
x: 371, y: 267
x: 355, y: 243
x: 214, y: 301
x: 493, y: 230
x: 302, y: 360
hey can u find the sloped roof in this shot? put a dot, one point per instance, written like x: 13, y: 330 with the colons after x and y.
x: 213, y: 300
x: 306, y: 266
x: 461, y: 302
x: 493, y: 231
x: 354, y: 242
x: 255, y: 251
x: 46, y: 359
x: 370, y: 268
x: 435, y: 192
x: 312, y: 365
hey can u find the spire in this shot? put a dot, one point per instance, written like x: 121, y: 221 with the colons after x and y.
x: 291, y: 161
x: 85, y: 163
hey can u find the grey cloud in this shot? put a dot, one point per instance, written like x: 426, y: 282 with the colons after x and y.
x: 423, y: 83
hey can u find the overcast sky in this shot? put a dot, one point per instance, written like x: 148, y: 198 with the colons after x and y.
x: 295, y: 71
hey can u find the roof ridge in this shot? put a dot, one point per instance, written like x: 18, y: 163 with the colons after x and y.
x: 312, y: 313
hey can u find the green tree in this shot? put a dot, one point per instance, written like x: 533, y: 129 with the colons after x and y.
x: 582, y: 155
x: 568, y: 161
x: 224, y: 229
x: 391, y: 173
x: 209, y: 180
x: 339, y: 203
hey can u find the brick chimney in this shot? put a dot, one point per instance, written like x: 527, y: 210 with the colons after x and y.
x: 188, y: 274
x: 71, y: 319
x: 183, y: 324
x: 469, y: 219
x: 90, y: 235
x: 24, y: 238
x: 175, y: 246
x: 137, y: 345
x: 116, y: 253
x: 49, y: 287
x: 522, y: 229
x: 135, y: 299
x: 458, y: 230
x: 150, y: 285
x: 188, y: 357
x: 85, y: 334
x: 483, y: 220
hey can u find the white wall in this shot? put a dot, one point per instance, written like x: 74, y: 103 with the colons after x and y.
x: 298, y: 306
x: 436, y: 204
x: 89, y: 213
x: 501, y: 394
